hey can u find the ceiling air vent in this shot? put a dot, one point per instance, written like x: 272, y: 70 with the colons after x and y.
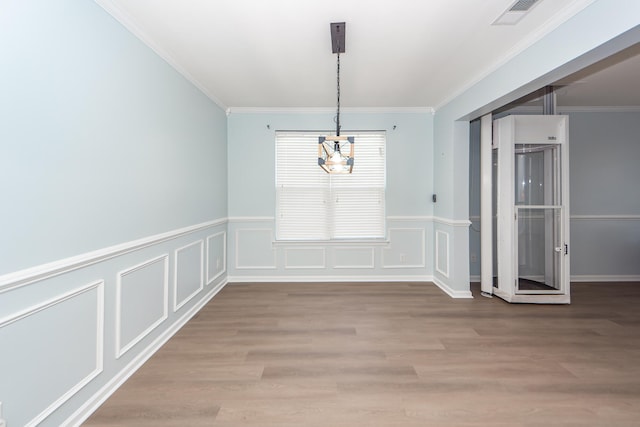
x: 515, y: 12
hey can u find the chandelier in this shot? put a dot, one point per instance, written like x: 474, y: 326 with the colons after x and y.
x: 332, y: 150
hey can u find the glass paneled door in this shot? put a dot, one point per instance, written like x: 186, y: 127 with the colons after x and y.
x: 532, y: 204
x: 538, y: 216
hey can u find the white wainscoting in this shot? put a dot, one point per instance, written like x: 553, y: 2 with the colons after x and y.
x: 188, y: 278
x: 77, y: 328
x: 88, y: 406
x: 354, y: 257
x: 254, y: 249
x: 442, y: 252
x: 37, y: 371
x: 216, y: 256
x: 401, y: 257
x: 406, y: 249
x: 304, y: 258
x: 67, y: 265
x: 143, y: 285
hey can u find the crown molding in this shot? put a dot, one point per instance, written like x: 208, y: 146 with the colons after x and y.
x: 125, y: 20
x: 330, y: 110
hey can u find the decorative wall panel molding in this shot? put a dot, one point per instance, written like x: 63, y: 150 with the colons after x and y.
x: 66, y: 353
x: 403, y: 248
x: 304, y: 258
x: 254, y: 249
x: 142, y: 301
x: 188, y: 273
x: 44, y: 271
x: 216, y: 256
x: 354, y: 257
x: 407, y: 248
x: 58, y: 332
x: 442, y: 253
x: 114, y: 382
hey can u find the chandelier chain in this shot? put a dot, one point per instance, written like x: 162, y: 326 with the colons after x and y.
x: 338, y: 95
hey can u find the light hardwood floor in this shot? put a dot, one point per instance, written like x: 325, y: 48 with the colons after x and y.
x: 391, y: 354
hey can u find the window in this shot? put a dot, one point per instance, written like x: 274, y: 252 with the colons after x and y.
x: 314, y: 205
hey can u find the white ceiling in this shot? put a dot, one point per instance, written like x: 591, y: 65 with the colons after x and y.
x: 277, y: 53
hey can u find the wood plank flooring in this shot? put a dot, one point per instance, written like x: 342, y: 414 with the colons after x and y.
x: 391, y: 354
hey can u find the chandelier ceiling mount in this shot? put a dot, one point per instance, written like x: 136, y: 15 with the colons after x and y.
x: 330, y: 148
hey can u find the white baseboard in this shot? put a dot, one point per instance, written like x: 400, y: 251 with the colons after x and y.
x: 315, y: 279
x: 451, y: 292
x: 90, y: 406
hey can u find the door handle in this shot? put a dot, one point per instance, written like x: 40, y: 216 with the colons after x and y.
x: 558, y: 249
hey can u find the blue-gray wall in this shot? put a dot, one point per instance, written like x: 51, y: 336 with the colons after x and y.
x: 113, y: 185
x: 605, y: 195
x: 407, y: 252
x: 117, y: 189
x: 102, y: 141
x: 252, y: 156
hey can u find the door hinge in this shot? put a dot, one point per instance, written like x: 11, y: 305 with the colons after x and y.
x: 566, y: 249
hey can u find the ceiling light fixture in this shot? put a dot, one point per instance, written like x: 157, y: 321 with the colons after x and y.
x: 330, y: 148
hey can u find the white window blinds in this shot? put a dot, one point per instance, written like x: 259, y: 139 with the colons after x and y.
x: 314, y: 205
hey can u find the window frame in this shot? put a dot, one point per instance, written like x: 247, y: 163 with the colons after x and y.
x: 328, y: 189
